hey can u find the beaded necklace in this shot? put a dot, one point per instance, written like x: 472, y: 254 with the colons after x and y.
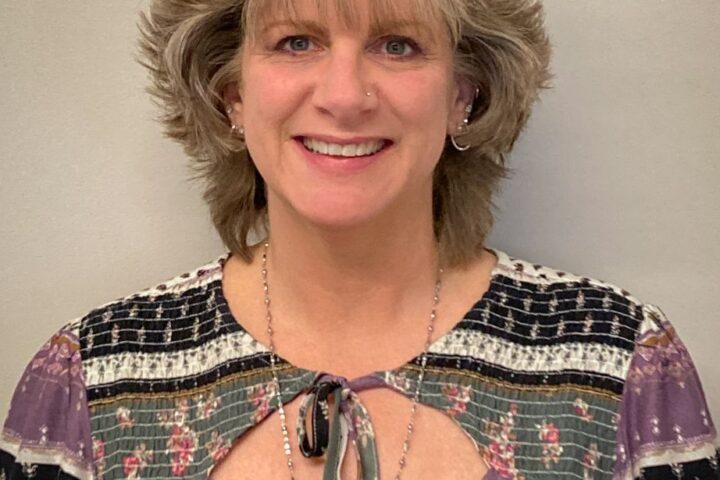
x: 273, y: 361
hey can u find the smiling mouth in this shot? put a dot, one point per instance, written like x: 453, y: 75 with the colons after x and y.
x: 354, y: 150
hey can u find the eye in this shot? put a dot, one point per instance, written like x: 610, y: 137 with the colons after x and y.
x: 400, y: 47
x: 295, y: 43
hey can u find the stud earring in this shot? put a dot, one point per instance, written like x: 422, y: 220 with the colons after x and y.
x: 239, y: 131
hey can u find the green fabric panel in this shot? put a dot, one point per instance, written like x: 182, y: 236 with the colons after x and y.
x: 164, y: 437
x: 545, y: 432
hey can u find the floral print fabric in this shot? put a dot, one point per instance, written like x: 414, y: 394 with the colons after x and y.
x: 552, y: 375
x: 48, y: 421
x: 665, y: 414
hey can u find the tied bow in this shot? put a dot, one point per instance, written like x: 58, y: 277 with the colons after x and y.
x: 350, y: 421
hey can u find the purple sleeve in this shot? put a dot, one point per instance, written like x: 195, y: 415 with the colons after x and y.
x: 48, y: 423
x: 665, y: 423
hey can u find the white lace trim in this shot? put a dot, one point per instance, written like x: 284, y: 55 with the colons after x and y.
x: 30, y: 455
x: 582, y: 357
x: 668, y: 456
x: 164, y: 365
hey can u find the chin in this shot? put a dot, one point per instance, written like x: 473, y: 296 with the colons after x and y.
x: 341, y: 212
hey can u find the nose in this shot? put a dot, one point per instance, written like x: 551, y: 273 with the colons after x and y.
x: 343, y: 85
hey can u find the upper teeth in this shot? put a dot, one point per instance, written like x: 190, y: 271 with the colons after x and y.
x: 352, y: 150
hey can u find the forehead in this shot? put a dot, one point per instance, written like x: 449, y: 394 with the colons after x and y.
x: 424, y: 16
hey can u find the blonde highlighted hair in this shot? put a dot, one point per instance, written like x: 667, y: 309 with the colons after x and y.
x: 191, y: 48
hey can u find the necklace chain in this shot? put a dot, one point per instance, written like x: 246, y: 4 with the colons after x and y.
x: 273, y: 367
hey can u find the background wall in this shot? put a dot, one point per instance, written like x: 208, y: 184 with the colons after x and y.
x: 616, y: 176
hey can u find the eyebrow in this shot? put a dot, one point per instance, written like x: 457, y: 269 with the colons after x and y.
x: 376, y: 30
x: 420, y: 28
x: 312, y: 26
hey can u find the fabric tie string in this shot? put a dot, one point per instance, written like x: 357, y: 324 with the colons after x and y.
x: 331, y: 426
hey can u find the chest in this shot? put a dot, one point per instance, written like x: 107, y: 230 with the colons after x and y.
x: 439, y: 447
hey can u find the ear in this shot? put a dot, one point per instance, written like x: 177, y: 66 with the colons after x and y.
x: 463, y: 95
x: 233, y: 103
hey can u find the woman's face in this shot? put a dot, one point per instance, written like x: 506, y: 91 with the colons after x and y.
x: 313, y: 131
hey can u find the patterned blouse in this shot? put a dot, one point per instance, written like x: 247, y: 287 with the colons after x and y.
x: 553, y: 376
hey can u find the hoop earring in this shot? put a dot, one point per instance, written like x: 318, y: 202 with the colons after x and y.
x: 462, y: 128
x: 459, y: 148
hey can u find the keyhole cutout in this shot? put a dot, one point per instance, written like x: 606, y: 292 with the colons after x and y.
x: 439, y: 447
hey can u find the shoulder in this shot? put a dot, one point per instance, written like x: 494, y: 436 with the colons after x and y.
x: 164, y: 338
x: 549, y: 320
x: 164, y: 317
x: 554, y: 291
x: 582, y: 306
x: 165, y: 299
x: 598, y: 328
x: 543, y: 278
x: 47, y: 426
x: 538, y: 326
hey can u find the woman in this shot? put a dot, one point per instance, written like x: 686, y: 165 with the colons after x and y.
x: 361, y: 142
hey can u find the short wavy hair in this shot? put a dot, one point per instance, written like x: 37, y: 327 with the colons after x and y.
x: 191, y: 49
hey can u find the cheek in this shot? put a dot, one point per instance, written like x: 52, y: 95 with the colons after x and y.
x: 269, y: 97
x: 423, y: 111
x: 422, y: 100
x: 260, y: 105
x: 270, y: 101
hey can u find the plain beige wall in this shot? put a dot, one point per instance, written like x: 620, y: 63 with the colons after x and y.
x: 616, y: 177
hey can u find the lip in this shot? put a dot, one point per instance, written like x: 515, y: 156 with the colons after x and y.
x: 337, y: 165
x: 340, y: 141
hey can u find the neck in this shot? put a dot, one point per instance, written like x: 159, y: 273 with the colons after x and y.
x: 322, y: 275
